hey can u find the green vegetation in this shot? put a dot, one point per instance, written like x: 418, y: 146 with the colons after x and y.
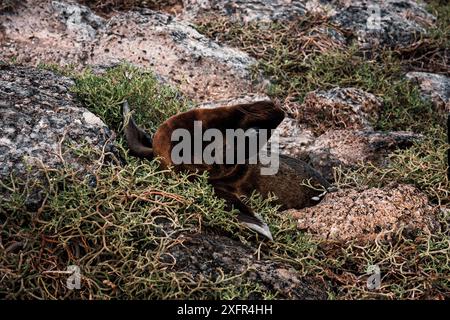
x: 122, y: 226
x: 104, y: 94
x: 121, y: 223
x: 119, y: 228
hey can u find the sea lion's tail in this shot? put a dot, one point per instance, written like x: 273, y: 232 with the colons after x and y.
x: 139, y: 142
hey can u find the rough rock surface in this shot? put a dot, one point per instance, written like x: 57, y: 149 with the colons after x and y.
x: 433, y: 86
x: 232, y: 101
x: 338, y: 108
x: 293, y: 140
x: 391, y: 23
x: 246, y: 11
x: 204, y: 256
x: 367, y: 214
x: 348, y: 148
x: 39, y: 118
x: 69, y: 33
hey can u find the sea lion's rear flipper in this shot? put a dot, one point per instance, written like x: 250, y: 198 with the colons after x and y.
x: 246, y: 215
x: 139, y: 142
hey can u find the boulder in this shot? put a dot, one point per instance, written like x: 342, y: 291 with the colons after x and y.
x: 232, y: 101
x: 350, y: 148
x: 367, y: 214
x: 293, y: 139
x: 392, y: 23
x: 64, y: 32
x: 435, y: 87
x: 338, y: 108
x: 245, y: 11
x: 40, y: 119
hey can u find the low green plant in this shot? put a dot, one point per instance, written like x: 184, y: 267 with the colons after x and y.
x: 152, y: 102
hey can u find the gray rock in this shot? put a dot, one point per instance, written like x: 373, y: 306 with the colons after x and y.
x: 368, y: 214
x: 204, y: 255
x: 246, y: 11
x: 293, y: 139
x: 69, y: 33
x: 40, y: 120
x: 390, y: 23
x: 349, y: 148
x: 338, y: 108
x: 78, y: 19
x: 435, y: 87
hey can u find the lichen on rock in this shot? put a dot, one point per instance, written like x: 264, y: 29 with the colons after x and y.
x: 392, y: 23
x: 40, y: 119
x: 245, y: 11
x: 338, y: 108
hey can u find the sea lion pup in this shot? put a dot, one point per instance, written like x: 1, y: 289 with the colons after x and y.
x: 231, y: 181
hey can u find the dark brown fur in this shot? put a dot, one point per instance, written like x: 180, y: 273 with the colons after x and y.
x: 230, y: 182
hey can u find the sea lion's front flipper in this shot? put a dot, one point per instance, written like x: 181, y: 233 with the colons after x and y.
x: 246, y: 215
x: 139, y: 142
x: 256, y: 224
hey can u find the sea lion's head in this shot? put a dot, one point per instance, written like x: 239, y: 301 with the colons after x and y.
x: 259, y: 115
